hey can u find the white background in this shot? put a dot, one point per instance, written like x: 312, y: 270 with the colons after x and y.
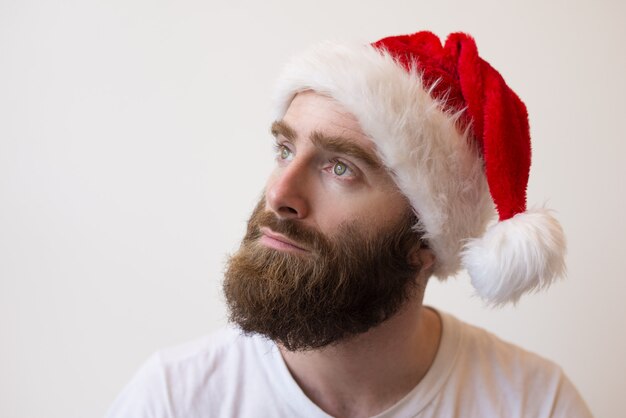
x: 134, y: 142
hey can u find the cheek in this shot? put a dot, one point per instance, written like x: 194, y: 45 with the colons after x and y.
x: 384, y: 209
x: 330, y: 215
x: 335, y: 209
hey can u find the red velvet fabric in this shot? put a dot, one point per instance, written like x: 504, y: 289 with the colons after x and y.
x: 461, y: 79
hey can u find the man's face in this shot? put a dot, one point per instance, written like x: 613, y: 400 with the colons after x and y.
x: 327, y: 171
x: 325, y: 256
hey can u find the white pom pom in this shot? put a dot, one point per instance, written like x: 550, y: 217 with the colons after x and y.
x: 522, y: 254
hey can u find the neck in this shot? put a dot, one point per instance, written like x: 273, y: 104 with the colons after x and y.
x: 369, y: 373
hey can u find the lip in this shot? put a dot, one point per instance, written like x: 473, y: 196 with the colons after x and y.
x: 279, y: 241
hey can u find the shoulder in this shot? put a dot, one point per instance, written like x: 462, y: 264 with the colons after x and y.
x: 482, y: 347
x: 505, y: 378
x: 178, y: 380
x: 221, y: 345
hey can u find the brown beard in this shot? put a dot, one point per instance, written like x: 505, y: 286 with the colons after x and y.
x: 347, y: 284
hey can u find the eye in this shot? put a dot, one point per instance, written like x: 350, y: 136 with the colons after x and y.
x: 343, y: 170
x: 339, y: 169
x: 282, y: 152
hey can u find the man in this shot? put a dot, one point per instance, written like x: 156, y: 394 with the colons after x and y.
x: 390, y: 159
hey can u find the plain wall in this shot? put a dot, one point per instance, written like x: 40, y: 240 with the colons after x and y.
x: 134, y: 142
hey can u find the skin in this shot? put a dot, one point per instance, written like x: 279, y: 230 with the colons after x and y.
x: 322, y: 187
x: 304, y: 186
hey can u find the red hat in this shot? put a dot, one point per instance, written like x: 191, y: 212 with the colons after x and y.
x: 456, y: 139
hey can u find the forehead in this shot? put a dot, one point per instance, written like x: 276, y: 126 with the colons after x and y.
x: 311, y: 112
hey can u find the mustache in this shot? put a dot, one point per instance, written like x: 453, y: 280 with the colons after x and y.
x: 304, y: 235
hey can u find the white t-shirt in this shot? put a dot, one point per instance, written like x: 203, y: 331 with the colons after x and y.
x: 230, y: 375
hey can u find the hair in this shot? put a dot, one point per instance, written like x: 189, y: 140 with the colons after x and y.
x: 348, y: 283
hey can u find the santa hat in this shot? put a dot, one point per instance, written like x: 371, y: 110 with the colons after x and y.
x: 456, y: 140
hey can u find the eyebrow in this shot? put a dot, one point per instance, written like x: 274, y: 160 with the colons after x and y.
x: 281, y: 128
x: 336, y: 144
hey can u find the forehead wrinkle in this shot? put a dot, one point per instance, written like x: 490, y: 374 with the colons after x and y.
x: 346, y: 146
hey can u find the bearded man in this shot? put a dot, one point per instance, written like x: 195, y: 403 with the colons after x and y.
x: 390, y: 160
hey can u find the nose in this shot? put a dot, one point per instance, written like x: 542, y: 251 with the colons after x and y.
x: 286, y: 192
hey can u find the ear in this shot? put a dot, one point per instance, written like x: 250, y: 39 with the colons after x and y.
x: 422, y: 258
